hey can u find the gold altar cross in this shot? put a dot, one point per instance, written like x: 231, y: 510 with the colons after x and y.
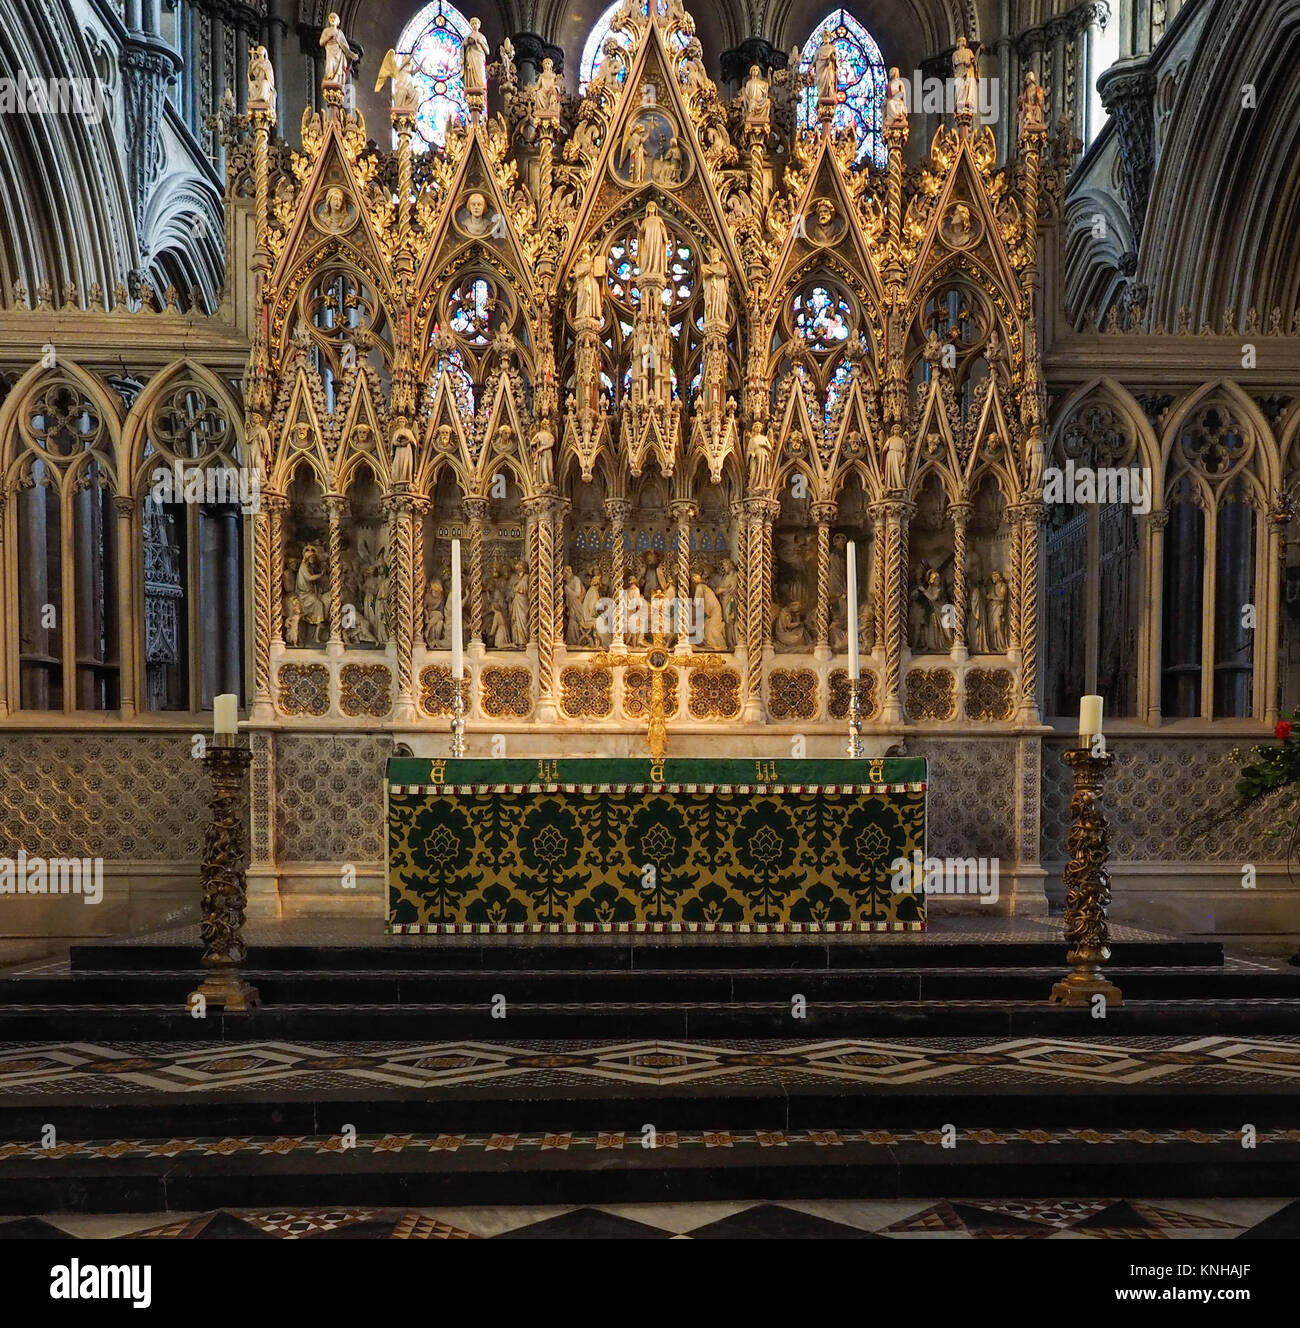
x: 657, y: 659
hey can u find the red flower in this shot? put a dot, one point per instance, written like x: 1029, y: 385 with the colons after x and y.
x: 1283, y: 730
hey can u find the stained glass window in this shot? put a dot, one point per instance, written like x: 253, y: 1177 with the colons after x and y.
x: 862, y: 81
x: 475, y: 309
x: 592, y: 52
x: 622, y: 273
x: 434, y: 39
x: 822, y: 317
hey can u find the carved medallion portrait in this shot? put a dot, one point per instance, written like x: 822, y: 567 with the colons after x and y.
x: 652, y: 151
x: 960, y: 227
x: 475, y: 219
x: 335, y: 213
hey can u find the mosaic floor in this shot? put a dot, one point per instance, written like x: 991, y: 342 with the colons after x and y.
x: 979, y: 1219
x: 63, y: 1070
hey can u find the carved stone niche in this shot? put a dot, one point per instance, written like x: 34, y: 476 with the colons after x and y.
x: 306, y: 587
x: 365, y: 575
x: 931, y: 574
x: 793, y: 611
x: 506, y: 573
x: 443, y: 522
x: 988, y: 582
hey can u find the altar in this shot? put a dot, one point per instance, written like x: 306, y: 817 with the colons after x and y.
x: 653, y: 845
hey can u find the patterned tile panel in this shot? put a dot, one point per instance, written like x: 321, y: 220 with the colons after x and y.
x: 330, y: 797
x: 971, y: 793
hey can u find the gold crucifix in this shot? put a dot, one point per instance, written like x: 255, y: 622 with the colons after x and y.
x: 657, y: 659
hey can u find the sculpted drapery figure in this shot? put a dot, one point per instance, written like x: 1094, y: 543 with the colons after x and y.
x: 550, y: 87
x: 965, y: 74
x: 652, y: 248
x: 1031, y: 103
x: 475, y: 59
x: 261, y: 80
x: 589, y: 281
x: 756, y: 98
x: 406, y: 94
x: 896, y: 102
x: 339, y: 55
x: 826, y: 70
x: 715, y: 291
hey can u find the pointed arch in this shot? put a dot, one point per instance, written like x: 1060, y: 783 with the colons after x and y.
x: 862, y: 81
x: 434, y: 39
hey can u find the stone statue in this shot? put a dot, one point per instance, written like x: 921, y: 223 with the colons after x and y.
x: 480, y: 221
x: 636, y: 615
x: 977, y: 641
x: 498, y: 626
x: 758, y: 452
x: 756, y: 98
x: 652, y: 248
x: 727, y: 587
x: 401, y: 468
x: 339, y: 55
x: 895, y: 102
x: 965, y: 74
x: 1034, y: 479
x: 895, y: 462
x: 313, y: 602
x: 292, y: 605
x: 1031, y: 104
x: 709, y: 606
x: 574, y: 594
x: 435, y: 615
x: 549, y: 90
x: 261, y: 81
x: 544, y: 456
x: 716, y: 312
x: 475, y: 58
x: 867, y: 625
x: 519, y: 606
x: 826, y: 70
x: 593, y: 621
x: 996, y: 613
x: 928, y: 635
x: 788, y: 631
x: 633, y: 150
x: 406, y: 93
x: 589, y: 281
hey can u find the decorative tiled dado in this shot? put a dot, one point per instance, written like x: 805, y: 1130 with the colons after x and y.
x: 970, y: 796
x: 304, y: 689
x: 435, y: 689
x: 931, y: 694
x: 507, y: 693
x: 330, y: 797
x: 365, y: 689
x: 714, y: 693
x: 636, y: 692
x: 98, y: 794
x: 586, y: 693
x: 990, y: 694
x: 868, y: 698
x: 792, y: 694
x: 1166, y: 800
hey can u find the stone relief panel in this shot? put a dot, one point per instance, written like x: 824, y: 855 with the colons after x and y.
x: 971, y: 809
x: 1161, y: 799
x: 93, y: 794
x: 330, y: 798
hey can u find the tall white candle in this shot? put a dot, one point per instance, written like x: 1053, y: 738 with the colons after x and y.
x: 1089, y: 719
x: 854, y: 665
x: 225, y: 714
x: 457, y: 627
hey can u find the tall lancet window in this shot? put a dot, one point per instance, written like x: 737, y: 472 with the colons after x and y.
x: 862, y: 80
x: 434, y: 38
x: 594, y: 51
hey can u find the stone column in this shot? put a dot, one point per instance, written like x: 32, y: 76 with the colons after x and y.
x: 128, y: 621
x: 1152, y: 621
x: 1128, y: 91
x: 401, y: 601
x: 336, y: 504
x: 268, y: 597
x: 617, y: 510
x: 541, y: 511
x: 476, y: 514
x: 4, y: 644
x: 897, y: 515
x: 1031, y: 519
x: 758, y: 598
x: 685, y: 514
x: 824, y: 515
x: 960, y: 514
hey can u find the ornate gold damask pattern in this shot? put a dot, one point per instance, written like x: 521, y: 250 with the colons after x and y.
x: 586, y: 693
x: 636, y: 692
x: 365, y: 689
x: 304, y: 689
x: 792, y: 694
x: 990, y: 694
x: 507, y: 693
x: 715, y: 695
x: 436, y: 694
x: 868, y: 694
x: 931, y: 694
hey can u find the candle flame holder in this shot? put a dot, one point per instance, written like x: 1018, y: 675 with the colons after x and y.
x: 1087, y: 887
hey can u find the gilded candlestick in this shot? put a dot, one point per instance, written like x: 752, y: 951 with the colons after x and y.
x: 1087, y: 886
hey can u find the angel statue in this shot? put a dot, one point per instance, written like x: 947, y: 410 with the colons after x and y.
x: 261, y: 82
x: 406, y: 92
x: 339, y: 55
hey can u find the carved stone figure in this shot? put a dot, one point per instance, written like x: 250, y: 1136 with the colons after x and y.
x: 1031, y: 104
x: 589, y: 282
x: 475, y: 58
x: 401, y: 468
x: 716, y: 312
x: 634, y: 150
x: 867, y: 625
x: 965, y: 74
x: 709, y: 606
x: 1034, y: 478
x: 826, y: 70
x: 837, y: 626
x: 927, y: 633
x: 544, y: 456
x: 728, y: 589
x: 595, y: 621
x: 476, y: 220
x: 758, y: 453
x: 837, y: 584
x: 549, y: 91
x: 652, y: 248
x: 996, y: 613
x: 895, y: 462
x: 519, y: 606
x: 895, y: 102
x: 788, y: 630
x: 313, y: 596
x: 334, y: 214
x: 339, y: 55
x: 292, y: 605
x: 435, y: 615
x: 756, y: 98
x: 261, y: 80
x: 636, y: 615
x: 574, y: 594
x: 406, y: 92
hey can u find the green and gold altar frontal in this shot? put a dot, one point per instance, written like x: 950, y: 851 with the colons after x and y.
x: 642, y: 845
